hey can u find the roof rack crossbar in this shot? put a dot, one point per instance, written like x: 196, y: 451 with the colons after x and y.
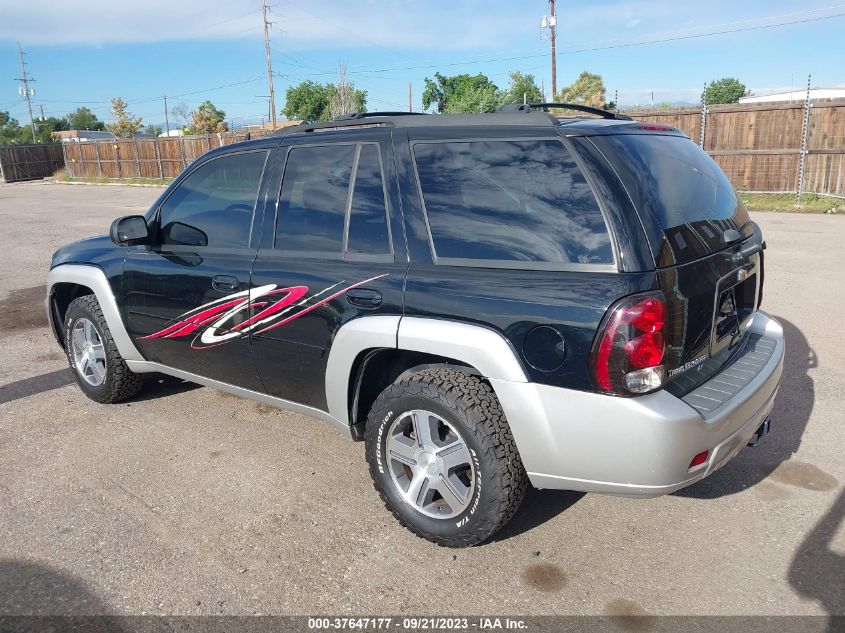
x: 527, y: 107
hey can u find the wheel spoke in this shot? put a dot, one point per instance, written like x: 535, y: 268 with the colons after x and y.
x: 99, y: 371
x: 424, y: 429
x: 78, y: 337
x: 417, y: 488
x: 400, y: 450
x: 454, y: 455
x: 89, y: 329
x: 99, y: 352
x: 85, y: 366
x: 455, y: 498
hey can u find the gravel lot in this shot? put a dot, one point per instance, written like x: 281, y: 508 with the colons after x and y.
x: 153, y: 507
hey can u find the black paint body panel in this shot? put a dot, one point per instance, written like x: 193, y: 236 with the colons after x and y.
x: 156, y: 287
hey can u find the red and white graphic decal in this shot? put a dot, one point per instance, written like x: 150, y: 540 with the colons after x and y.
x: 272, y: 307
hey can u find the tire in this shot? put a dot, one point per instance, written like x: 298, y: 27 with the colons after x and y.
x: 99, y: 369
x: 449, y: 407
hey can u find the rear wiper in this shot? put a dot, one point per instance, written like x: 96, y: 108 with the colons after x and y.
x: 754, y: 245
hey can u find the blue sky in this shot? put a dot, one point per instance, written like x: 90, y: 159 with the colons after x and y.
x: 87, y: 51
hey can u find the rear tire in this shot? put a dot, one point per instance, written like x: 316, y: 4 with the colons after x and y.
x: 98, y: 367
x: 442, y: 457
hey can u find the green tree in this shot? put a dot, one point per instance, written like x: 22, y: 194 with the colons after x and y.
x: 726, y: 90
x: 125, y: 125
x: 307, y: 101
x: 153, y: 130
x: 44, y: 129
x: 207, y: 119
x: 460, y: 93
x: 311, y: 101
x: 522, y: 87
x: 10, y: 130
x: 84, y: 119
x: 588, y: 89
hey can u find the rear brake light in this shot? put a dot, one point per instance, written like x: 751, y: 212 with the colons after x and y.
x: 628, y: 355
x: 655, y: 127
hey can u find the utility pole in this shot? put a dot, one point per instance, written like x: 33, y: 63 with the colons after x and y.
x: 410, y: 98
x: 26, y: 91
x: 553, y: 29
x: 550, y: 22
x: 269, y: 63
x: 166, y: 119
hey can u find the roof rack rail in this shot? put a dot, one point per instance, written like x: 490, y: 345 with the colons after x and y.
x: 527, y: 107
x: 366, y: 115
x: 353, y: 119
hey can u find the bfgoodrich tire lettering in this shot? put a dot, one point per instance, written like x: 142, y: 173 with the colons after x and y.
x: 469, y: 406
x: 119, y: 383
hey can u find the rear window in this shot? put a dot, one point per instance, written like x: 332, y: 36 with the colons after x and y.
x: 684, y: 199
x: 517, y: 203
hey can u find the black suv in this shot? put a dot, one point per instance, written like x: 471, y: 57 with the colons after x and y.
x: 486, y: 300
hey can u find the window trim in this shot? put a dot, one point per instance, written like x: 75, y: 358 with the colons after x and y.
x: 196, y: 166
x: 508, y: 263
x: 343, y: 254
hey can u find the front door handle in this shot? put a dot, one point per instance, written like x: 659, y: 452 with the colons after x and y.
x: 364, y: 298
x: 225, y: 283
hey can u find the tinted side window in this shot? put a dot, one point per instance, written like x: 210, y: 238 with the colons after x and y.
x: 214, y: 205
x: 368, y: 213
x: 519, y: 201
x: 313, y: 200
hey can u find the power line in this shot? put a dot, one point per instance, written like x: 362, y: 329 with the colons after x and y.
x: 595, y: 48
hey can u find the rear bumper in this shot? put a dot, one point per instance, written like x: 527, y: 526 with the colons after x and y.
x: 642, y: 446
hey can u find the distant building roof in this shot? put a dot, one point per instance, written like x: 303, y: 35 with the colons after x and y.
x: 794, y: 96
x: 74, y: 136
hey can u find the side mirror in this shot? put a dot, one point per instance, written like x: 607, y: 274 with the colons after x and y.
x: 130, y: 229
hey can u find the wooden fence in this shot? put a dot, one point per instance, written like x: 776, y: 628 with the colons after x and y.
x: 760, y: 146
x: 140, y: 158
x: 30, y: 162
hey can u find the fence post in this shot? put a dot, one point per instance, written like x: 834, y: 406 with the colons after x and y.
x: 137, y: 158
x: 804, y: 138
x: 67, y: 163
x: 117, y: 159
x: 99, y: 162
x: 182, y: 151
x: 703, y: 117
x: 207, y: 142
x: 158, y: 158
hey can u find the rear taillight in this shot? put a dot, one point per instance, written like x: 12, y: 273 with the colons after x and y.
x: 628, y: 355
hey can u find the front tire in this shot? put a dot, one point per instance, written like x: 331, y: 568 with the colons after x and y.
x: 443, y: 458
x: 98, y: 367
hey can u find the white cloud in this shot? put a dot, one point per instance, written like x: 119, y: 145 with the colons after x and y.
x: 332, y: 23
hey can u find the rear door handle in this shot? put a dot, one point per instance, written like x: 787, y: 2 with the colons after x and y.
x: 224, y: 283
x: 364, y: 298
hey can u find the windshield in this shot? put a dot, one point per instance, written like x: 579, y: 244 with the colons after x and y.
x: 684, y: 199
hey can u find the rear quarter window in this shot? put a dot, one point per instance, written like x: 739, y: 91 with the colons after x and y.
x: 519, y: 203
x: 683, y: 198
